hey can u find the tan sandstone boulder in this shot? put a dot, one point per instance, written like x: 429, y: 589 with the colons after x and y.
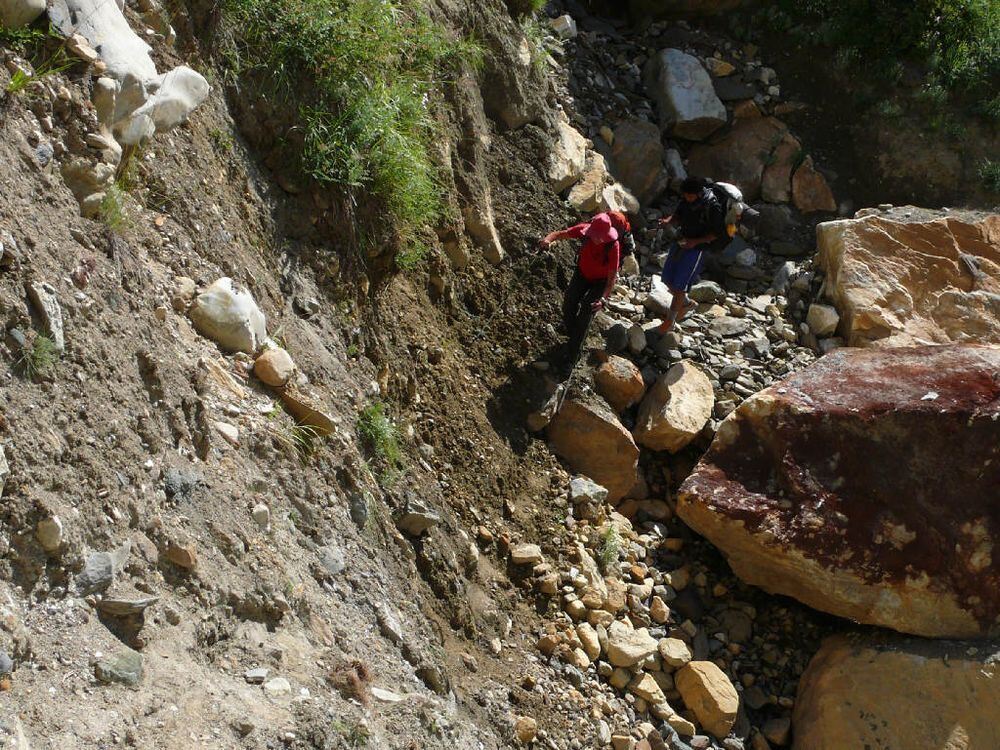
x: 866, y: 486
x: 620, y: 382
x: 676, y: 408
x: 899, y: 693
x: 587, y: 434
x: 710, y: 695
x: 914, y: 277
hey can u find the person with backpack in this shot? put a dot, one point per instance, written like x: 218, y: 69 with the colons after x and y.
x: 597, y: 264
x: 701, y: 221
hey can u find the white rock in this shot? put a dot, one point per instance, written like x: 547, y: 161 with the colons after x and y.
x: 526, y: 554
x: 386, y: 696
x: 583, y: 489
x: 627, y: 648
x: 277, y: 687
x: 49, y: 533
x: 4, y: 469
x: 229, y: 316
x: 568, y: 156
x: 231, y: 433
x: 43, y: 297
x: 688, y: 105
x: 262, y: 515
x: 564, y: 26
x: 175, y: 95
x: 145, y: 100
x: 822, y: 319
x: 17, y: 13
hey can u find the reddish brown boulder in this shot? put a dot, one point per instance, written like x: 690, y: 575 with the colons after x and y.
x: 776, y: 185
x: 587, y: 434
x: 620, y: 382
x: 810, y: 191
x: 741, y: 155
x: 866, y: 486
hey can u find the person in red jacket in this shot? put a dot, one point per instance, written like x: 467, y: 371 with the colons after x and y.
x: 596, y: 272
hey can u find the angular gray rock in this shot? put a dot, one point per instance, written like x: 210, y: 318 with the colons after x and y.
x: 682, y: 89
x: 125, y: 668
x: 43, y: 297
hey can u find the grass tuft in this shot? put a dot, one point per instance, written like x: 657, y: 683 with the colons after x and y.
x: 608, y: 549
x: 381, y: 437
x: 39, y: 359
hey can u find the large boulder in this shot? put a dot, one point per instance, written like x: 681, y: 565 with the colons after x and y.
x: 229, y: 316
x: 17, y: 13
x: 741, y: 155
x: 810, y: 191
x: 637, y: 159
x: 143, y: 101
x: 676, y: 408
x: 587, y: 194
x: 913, y: 276
x: 587, y: 434
x: 776, y: 183
x: 900, y: 693
x: 682, y: 89
x: 620, y: 382
x: 865, y: 486
x: 568, y: 156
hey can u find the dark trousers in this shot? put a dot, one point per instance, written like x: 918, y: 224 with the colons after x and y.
x: 577, y: 313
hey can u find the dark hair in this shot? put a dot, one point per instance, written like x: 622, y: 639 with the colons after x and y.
x: 693, y: 185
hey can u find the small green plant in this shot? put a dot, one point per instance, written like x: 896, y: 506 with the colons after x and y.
x: 57, y: 62
x: 21, y: 40
x: 608, y: 548
x: 535, y: 32
x: 38, y: 360
x: 888, y: 109
x: 353, y: 351
x: 381, y: 437
x: 112, y: 211
x: 989, y: 175
x: 222, y: 140
x: 411, y: 258
x: 353, y: 733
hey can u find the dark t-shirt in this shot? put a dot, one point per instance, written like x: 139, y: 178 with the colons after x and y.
x: 702, y: 217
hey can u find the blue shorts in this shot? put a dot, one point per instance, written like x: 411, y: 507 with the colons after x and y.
x: 682, y: 267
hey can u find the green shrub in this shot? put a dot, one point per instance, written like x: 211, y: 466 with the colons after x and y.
x: 989, y: 175
x: 362, y: 76
x: 955, y: 41
x: 381, y: 437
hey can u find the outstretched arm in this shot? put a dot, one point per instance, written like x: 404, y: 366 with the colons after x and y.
x: 563, y: 234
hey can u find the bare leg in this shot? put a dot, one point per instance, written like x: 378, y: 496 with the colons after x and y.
x: 678, y: 302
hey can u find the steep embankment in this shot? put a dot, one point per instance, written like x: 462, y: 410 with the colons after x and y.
x: 352, y: 539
